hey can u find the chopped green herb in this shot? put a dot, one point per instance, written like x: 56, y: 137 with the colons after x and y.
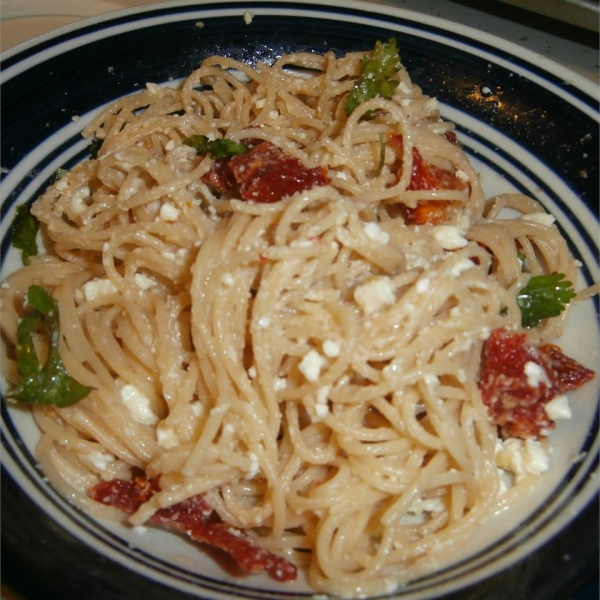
x: 374, y: 79
x: 221, y: 148
x: 25, y: 228
x: 543, y: 297
x: 49, y: 383
x: 59, y: 174
x: 521, y: 256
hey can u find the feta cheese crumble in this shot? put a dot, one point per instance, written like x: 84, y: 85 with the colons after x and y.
x: 522, y: 457
x: 449, y: 237
x: 138, y: 404
x: 462, y: 265
x: 143, y: 281
x: 169, y: 212
x: 153, y: 88
x: 422, y: 285
x: 375, y: 294
x: 167, y: 437
x: 374, y: 232
x: 321, y: 405
x: 100, y: 460
x: 79, y: 199
x: 535, y: 374
x: 558, y: 408
x: 98, y: 287
x: 331, y: 349
x: 254, y: 467
x: 311, y: 364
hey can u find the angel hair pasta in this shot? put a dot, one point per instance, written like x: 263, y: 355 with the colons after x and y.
x: 281, y: 306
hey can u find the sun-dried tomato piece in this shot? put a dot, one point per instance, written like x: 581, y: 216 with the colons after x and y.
x: 425, y: 176
x: 267, y: 174
x: 569, y: 373
x: 451, y: 137
x: 196, y: 518
x: 428, y: 212
x: 518, y: 379
x: 123, y: 494
x: 220, y: 175
x: 191, y: 517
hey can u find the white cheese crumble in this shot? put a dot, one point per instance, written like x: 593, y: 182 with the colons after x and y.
x: 462, y: 265
x: 248, y: 16
x: 138, y: 405
x: 78, y: 200
x: 432, y: 104
x: 98, y: 287
x: 169, y: 212
x: 558, y: 408
x: 321, y: 405
x: 521, y: 457
x: 167, y: 437
x: 375, y: 294
x: 197, y: 409
x: 311, y: 364
x: 422, y: 285
x: 460, y: 174
x: 449, y: 237
x: 535, y: 374
x: 374, y: 232
x: 331, y: 349
x: 279, y: 383
x: 420, y: 510
x: 539, y: 217
x: 100, y: 460
x: 254, y: 466
x: 153, y: 88
x: 143, y: 281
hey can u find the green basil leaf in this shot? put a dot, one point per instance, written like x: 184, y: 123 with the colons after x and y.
x: 25, y: 229
x: 50, y: 383
x: 543, y: 297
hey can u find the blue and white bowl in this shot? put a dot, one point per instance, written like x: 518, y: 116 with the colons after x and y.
x: 528, y: 124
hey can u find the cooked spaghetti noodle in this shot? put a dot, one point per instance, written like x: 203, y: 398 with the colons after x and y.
x: 309, y: 365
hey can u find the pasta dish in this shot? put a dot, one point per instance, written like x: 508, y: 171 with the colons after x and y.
x: 276, y: 312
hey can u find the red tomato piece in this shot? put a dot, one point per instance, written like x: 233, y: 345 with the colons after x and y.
x: 425, y: 176
x: 516, y: 401
x: 195, y: 517
x: 220, y: 175
x: 451, y: 137
x: 125, y: 495
x: 569, y: 373
x: 428, y: 212
x: 267, y: 174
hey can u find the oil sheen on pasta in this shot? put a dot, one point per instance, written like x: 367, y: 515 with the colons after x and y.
x: 309, y: 364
